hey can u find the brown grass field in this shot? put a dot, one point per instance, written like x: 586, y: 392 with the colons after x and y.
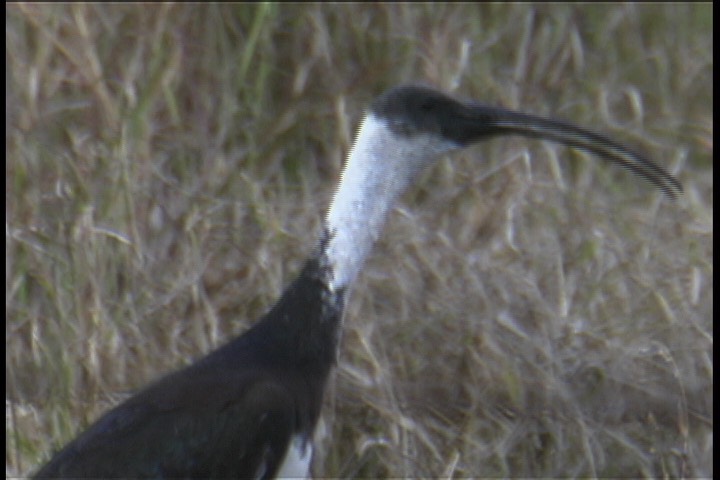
x: 529, y: 311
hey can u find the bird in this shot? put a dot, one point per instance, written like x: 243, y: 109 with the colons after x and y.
x: 249, y: 409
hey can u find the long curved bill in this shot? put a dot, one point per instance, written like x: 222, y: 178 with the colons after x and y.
x: 481, y: 122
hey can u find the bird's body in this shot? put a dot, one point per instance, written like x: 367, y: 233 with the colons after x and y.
x: 249, y: 409
x: 233, y: 414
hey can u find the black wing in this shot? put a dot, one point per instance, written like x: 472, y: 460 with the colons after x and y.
x: 189, y: 432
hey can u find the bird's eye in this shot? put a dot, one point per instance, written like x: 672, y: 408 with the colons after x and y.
x: 427, y: 106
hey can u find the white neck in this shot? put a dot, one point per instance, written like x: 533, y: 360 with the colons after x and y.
x: 380, y: 166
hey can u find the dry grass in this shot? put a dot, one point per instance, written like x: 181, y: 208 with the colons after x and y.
x: 528, y: 312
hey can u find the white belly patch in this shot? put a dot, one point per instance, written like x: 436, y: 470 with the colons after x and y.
x: 296, y: 463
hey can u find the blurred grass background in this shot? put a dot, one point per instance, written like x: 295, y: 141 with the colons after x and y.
x: 528, y: 312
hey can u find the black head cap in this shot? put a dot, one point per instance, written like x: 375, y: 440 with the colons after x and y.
x: 413, y: 109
